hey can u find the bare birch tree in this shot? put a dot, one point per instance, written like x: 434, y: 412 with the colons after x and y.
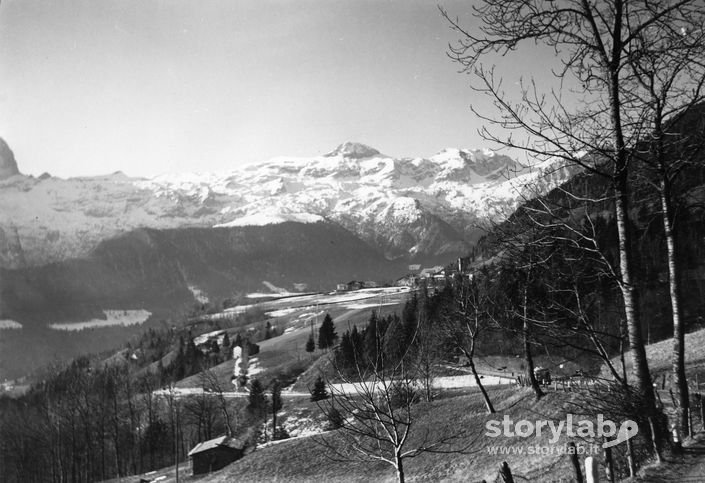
x: 669, y: 77
x: 468, y: 316
x: 373, y: 406
x: 594, y: 42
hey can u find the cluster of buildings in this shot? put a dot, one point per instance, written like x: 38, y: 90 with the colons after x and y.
x: 432, y: 277
x: 357, y: 285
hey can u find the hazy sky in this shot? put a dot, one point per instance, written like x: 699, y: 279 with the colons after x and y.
x: 146, y: 87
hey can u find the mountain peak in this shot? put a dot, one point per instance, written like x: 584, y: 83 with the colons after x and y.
x: 8, y: 165
x: 354, y: 150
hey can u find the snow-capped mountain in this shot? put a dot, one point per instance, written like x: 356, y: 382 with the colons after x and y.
x: 406, y: 207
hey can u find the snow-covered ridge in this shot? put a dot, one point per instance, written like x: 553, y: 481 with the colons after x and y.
x: 401, y: 205
x: 262, y: 219
x: 351, y: 178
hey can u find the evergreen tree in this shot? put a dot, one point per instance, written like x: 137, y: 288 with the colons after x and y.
x: 192, y: 358
x: 345, y: 354
x: 226, y: 351
x: 326, y: 334
x: 214, y: 347
x: 410, y: 317
x: 356, y: 340
x: 257, y: 404
x: 181, y: 345
x: 395, y: 340
x: 252, y: 348
x: 277, y: 404
x: 319, y: 391
x: 310, y: 344
x: 410, y: 311
x: 160, y: 372
x: 372, y: 340
x: 335, y: 419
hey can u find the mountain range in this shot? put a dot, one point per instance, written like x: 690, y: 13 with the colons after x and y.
x: 414, y: 209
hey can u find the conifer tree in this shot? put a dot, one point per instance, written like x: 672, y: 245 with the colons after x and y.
x: 319, y: 391
x: 310, y: 344
x: 395, y: 340
x: 277, y: 404
x: 345, y: 355
x: 258, y: 400
x: 372, y: 343
x: 326, y: 333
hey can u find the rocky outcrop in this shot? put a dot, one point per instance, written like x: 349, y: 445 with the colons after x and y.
x: 8, y: 165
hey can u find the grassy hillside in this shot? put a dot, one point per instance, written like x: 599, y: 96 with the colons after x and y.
x: 284, y: 357
x: 306, y: 458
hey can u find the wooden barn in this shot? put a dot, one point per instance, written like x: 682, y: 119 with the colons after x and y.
x: 215, y: 454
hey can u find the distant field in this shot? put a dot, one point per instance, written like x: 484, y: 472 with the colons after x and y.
x: 296, y: 317
x: 113, y: 317
x: 10, y: 324
x: 278, y: 305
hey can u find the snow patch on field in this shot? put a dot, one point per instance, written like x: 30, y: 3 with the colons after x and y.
x: 238, y: 309
x: 9, y: 324
x: 298, y: 427
x: 286, y: 303
x: 253, y: 368
x: 203, y: 338
x: 113, y: 317
x: 275, y: 289
x: 198, y: 294
x: 281, y: 312
x: 454, y: 382
x: 446, y: 382
x: 275, y: 292
x: 367, y: 305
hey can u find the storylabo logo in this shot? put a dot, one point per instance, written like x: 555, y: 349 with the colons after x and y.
x: 572, y: 427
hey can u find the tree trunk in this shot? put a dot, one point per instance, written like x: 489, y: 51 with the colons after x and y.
x: 640, y: 368
x: 116, y: 434
x: 680, y: 383
x: 274, y: 422
x: 226, y: 416
x: 488, y: 402
x: 528, y: 357
x: 176, y: 441
x: 400, y: 467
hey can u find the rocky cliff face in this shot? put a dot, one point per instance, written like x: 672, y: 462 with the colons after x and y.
x: 8, y: 165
